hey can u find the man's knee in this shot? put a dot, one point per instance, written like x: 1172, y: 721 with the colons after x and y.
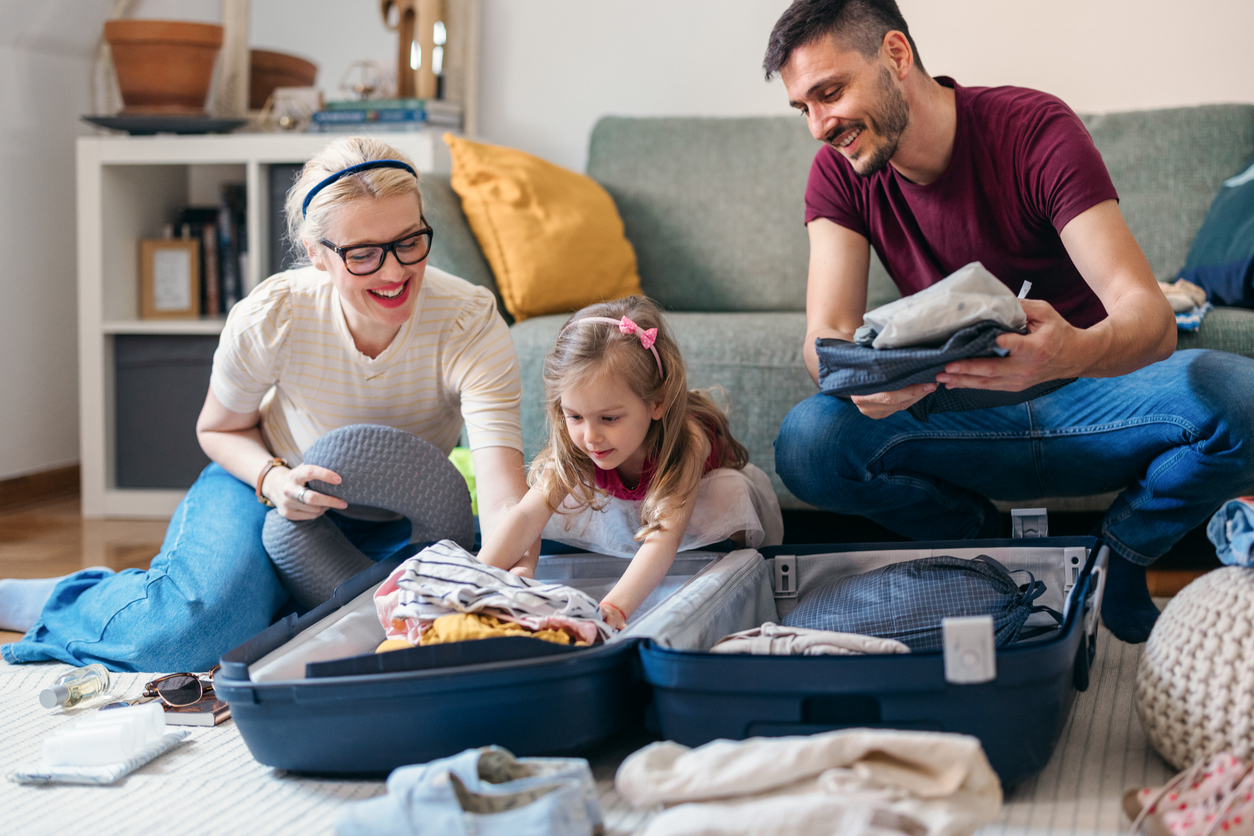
x: 815, y: 455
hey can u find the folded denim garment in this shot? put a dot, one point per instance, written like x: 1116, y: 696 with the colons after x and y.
x: 847, y: 369
x: 481, y: 791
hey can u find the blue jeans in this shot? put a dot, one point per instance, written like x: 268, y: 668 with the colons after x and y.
x: 1177, y: 438
x: 210, y: 589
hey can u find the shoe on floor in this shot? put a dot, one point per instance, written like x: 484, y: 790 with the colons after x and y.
x: 1214, y: 796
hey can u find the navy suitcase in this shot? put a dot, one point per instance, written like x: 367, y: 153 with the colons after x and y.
x: 1018, y: 715
x: 300, y: 705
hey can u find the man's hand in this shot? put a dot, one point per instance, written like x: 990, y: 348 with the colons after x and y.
x: 883, y: 404
x: 1051, y: 350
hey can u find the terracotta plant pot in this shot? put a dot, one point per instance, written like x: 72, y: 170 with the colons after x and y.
x: 268, y: 70
x: 163, y: 66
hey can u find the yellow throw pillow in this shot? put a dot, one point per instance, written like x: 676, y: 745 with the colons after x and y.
x: 553, y: 238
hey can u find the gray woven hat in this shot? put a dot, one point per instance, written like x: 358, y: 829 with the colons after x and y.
x: 381, y: 468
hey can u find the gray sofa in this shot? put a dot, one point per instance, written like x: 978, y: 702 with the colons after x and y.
x: 714, y: 210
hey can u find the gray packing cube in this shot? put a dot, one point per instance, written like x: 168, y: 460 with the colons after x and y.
x: 294, y: 717
x: 1018, y: 714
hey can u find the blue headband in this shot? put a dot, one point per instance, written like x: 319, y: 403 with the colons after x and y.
x: 352, y: 169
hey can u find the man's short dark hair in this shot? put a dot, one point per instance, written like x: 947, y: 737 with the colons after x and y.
x: 859, y: 24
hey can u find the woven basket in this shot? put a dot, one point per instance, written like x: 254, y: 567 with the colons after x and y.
x: 1195, y: 680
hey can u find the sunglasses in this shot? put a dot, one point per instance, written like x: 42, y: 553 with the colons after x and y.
x: 179, y: 689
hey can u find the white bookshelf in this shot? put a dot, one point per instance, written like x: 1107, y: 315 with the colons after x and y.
x: 128, y: 189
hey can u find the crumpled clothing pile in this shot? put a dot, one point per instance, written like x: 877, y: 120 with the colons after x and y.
x: 855, y: 782
x: 444, y: 579
x: 1188, y: 302
x: 1231, y: 529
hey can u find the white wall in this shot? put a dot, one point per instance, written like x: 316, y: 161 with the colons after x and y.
x: 550, y: 68
x: 45, y: 60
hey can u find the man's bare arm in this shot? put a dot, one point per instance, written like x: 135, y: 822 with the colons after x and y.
x: 840, y: 260
x: 1139, y: 328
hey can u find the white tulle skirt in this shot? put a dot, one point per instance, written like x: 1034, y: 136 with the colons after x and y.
x: 728, y: 502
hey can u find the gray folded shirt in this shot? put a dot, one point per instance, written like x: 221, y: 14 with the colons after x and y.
x: 847, y: 369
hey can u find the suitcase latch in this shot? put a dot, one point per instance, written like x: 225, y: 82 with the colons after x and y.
x: 785, y: 576
x: 970, y: 651
x: 1029, y: 522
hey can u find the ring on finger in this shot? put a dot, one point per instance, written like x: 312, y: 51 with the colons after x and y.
x: 300, y: 497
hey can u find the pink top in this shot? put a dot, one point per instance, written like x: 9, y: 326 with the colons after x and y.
x: 1023, y: 167
x: 610, y: 482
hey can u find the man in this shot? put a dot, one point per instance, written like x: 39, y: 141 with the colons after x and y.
x: 935, y: 176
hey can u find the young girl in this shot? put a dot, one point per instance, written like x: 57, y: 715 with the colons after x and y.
x: 636, y: 464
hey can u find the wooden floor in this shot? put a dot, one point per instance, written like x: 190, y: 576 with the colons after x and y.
x: 51, y: 538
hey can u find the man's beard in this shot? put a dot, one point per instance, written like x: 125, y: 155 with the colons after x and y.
x: 888, y: 124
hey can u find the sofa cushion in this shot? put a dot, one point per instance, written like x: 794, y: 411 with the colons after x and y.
x: 715, y: 209
x: 1168, y: 166
x: 1225, y: 329
x: 553, y: 237
x: 454, y: 248
x: 756, y: 358
x: 1227, y: 234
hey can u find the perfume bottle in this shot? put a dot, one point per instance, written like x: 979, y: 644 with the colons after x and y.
x: 76, y: 686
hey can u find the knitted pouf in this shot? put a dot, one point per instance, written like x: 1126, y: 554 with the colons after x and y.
x: 1195, y: 681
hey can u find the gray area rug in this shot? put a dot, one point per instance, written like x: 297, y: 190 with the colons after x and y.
x: 213, y: 781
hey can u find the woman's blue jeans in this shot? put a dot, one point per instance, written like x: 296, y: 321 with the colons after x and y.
x: 1177, y: 438
x: 210, y: 589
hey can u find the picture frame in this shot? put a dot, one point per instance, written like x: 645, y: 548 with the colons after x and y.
x: 169, y: 278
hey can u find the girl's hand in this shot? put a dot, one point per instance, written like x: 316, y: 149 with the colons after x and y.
x: 615, y: 617
x: 286, y: 489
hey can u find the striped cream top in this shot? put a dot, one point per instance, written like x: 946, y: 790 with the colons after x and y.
x: 287, y: 351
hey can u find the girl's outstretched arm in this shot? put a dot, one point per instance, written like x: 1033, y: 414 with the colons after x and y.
x: 518, y: 529
x: 647, y: 569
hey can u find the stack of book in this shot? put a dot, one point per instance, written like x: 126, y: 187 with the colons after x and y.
x: 386, y: 115
x: 223, y: 234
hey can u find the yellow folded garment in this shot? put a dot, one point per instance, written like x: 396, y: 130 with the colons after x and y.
x: 460, y: 627
x: 393, y: 644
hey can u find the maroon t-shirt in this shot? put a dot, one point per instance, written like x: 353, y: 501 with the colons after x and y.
x: 1023, y: 166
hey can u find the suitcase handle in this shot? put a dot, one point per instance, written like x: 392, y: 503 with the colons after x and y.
x: 767, y: 729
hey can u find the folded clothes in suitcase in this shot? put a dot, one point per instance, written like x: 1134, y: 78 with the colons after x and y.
x: 1015, y: 699
x: 309, y: 695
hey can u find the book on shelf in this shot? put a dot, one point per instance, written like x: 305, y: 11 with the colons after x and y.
x: 232, y: 244
x: 351, y: 115
x: 377, y: 104
x: 201, y: 223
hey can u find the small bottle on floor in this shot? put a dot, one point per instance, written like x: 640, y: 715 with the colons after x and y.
x: 76, y: 686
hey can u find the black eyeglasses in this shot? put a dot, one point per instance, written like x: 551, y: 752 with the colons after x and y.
x: 181, y: 688
x: 364, y: 259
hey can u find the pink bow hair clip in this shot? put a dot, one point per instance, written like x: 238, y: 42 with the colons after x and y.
x: 647, y: 336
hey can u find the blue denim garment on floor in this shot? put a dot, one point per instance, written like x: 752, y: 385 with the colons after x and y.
x: 1232, y: 532
x: 209, y: 589
x: 847, y: 369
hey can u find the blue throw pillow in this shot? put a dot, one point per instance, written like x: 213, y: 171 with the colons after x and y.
x: 1227, y: 234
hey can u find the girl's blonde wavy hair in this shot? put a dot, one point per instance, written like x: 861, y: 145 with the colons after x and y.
x: 337, y: 156
x: 591, y: 350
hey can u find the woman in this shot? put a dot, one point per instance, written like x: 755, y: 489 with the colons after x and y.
x: 366, y: 333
